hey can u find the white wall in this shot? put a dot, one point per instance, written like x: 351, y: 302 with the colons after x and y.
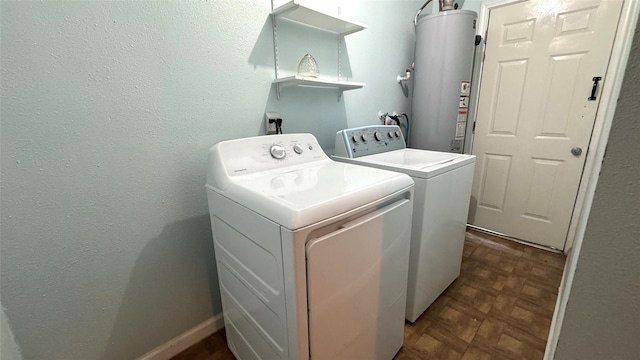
x: 602, y: 316
x: 108, y: 110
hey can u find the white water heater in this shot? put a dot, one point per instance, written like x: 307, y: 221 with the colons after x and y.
x: 445, y: 44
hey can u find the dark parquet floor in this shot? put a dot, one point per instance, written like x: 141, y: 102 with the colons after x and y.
x: 499, y: 308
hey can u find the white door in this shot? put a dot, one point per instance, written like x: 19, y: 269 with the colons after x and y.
x: 541, y: 58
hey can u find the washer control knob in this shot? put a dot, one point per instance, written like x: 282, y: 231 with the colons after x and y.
x: 354, y: 139
x: 397, y: 134
x: 297, y: 148
x: 378, y: 136
x: 390, y: 135
x: 277, y: 152
x: 364, y: 137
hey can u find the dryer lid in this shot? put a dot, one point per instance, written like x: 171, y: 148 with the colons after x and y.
x: 306, y: 195
x: 303, y: 188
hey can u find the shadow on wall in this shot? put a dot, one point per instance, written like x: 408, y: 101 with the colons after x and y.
x: 345, y: 62
x: 262, y: 53
x: 163, y: 298
x: 309, y: 110
x: 471, y: 218
x: 405, y: 89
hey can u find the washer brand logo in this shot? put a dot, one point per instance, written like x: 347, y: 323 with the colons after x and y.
x: 240, y: 170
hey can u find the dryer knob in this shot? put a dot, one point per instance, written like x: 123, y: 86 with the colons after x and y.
x: 397, y: 134
x: 364, y: 137
x: 277, y: 152
x: 354, y: 139
x: 378, y: 136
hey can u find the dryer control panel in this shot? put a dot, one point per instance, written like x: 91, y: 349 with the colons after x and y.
x: 368, y: 140
x: 261, y: 153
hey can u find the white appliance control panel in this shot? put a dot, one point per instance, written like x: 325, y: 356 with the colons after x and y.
x: 368, y: 140
x: 262, y: 153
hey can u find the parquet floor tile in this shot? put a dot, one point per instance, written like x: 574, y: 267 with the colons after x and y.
x: 499, y: 308
x: 475, y: 353
x: 473, y: 294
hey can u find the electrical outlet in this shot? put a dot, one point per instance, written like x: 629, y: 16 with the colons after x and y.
x: 270, y: 122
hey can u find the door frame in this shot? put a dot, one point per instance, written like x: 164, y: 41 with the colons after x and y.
x: 604, y: 116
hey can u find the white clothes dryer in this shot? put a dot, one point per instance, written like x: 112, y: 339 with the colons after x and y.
x: 441, y: 204
x: 312, y: 254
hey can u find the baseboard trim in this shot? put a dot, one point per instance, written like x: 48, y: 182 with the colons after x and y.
x: 185, y: 340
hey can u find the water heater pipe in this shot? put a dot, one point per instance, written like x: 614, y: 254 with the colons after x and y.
x: 407, y: 76
x: 415, y: 19
x: 446, y: 5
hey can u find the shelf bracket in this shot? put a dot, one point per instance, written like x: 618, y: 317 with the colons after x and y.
x: 275, y: 42
x: 340, y: 39
x: 278, y: 90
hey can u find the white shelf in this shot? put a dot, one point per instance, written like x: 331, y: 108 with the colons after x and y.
x: 294, y: 11
x: 297, y: 80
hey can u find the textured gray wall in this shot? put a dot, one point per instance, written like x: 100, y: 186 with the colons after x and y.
x: 108, y: 110
x: 602, y: 319
x: 8, y: 348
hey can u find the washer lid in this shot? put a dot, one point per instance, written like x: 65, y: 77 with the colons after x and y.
x: 414, y: 162
x: 299, y: 196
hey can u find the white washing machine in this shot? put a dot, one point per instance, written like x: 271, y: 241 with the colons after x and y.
x: 312, y: 255
x: 441, y: 203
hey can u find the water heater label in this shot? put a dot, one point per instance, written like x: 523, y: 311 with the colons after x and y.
x: 460, y: 130
x: 456, y: 145
x: 465, y: 87
x: 464, y: 102
x: 461, y: 125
